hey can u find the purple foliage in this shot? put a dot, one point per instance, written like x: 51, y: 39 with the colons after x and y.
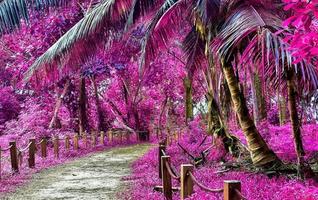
x: 254, y: 186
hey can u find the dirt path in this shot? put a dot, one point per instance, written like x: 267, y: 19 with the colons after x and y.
x: 94, y: 177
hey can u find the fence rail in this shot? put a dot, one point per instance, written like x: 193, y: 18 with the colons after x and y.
x: 16, y: 155
x: 231, y: 188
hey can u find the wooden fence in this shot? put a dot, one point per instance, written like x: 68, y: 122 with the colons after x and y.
x: 15, y: 154
x: 231, y: 189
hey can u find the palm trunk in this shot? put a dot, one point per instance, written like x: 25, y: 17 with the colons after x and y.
x: 225, y: 100
x: 259, y: 104
x: 83, y: 122
x: 55, y: 122
x: 260, y: 98
x: 295, y: 122
x: 188, y: 98
x: 217, y: 128
x: 281, y: 108
x: 261, y: 154
x: 255, y: 101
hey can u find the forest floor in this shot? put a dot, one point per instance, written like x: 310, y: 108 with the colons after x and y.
x: 98, y: 176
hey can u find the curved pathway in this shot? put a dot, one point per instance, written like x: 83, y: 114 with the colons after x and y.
x: 95, y: 177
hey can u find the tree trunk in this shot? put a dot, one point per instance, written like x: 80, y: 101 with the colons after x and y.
x: 255, y: 101
x: 55, y: 122
x: 259, y: 104
x: 260, y: 98
x: 188, y: 98
x: 160, y: 128
x: 217, y: 129
x: 281, y: 108
x: 225, y: 101
x: 83, y: 122
x: 101, y: 119
x: 261, y: 154
x: 295, y: 122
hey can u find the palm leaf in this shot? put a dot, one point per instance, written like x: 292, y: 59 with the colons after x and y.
x: 160, y: 31
x: 207, y: 13
x: 193, y: 48
x: 139, y: 8
x: 76, y: 45
x: 12, y: 11
x: 256, y: 27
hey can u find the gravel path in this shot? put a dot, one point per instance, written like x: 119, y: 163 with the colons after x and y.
x: 94, y: 177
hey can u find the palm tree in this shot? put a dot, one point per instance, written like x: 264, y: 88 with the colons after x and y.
x: 12, y: 11
x: 209, y: 15
x: 267, y: 47
x: 102, y: 23
x: 215, y: 20
x: 225, y: 25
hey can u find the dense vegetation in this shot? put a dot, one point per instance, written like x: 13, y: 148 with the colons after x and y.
x: 237, y: 70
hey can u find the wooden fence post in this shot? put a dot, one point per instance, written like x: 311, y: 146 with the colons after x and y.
x: 84, y: 135
x: 93, y: 135
x: 102, y: 137
x: 56, y: 144
x: 110, y: 136
x: 76, y: 142
x: 186, y: 181
x: 166, y: 178
x: 229, y: 190
x: 121, y: 137
x: 162, y: 148
x: 14, y: 156
x: 32, y: 150
x: 67, y: 143
x: 44, y: 148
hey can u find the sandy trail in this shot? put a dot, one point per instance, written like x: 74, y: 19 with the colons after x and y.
x: 95, y: 177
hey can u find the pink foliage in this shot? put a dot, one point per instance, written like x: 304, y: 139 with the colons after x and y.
x: 303, y: 40
x: 254, y: 186
x: 9, y: 105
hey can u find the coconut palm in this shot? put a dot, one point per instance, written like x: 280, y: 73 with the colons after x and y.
x: 265, y: 45
x: 215, y: 21
x: 209, y: 17
x: 226, y: 27
x: 102, y: 24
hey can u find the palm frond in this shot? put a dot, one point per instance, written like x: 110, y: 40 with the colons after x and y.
x: 80, y: 41
x: 207, y: 13
x: 243, y: 22
x: 259, y: 35
x: 12, y: 11
x: 193, y: 48
x: 139, y: 8
x: 160, y: 30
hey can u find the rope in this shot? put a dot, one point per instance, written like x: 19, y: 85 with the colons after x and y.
x: 20, y: 158
x: 163, y: 152
x: 40, y: 142
x: 174, y: 170
x: 240, y: 194
x: 26, y: 148
x: 171, y: 173
x: 203, y: 187
x: 6, y: 149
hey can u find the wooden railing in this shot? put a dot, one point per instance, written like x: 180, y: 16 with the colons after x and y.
x: 231, y: 189
x: 15, y: 155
